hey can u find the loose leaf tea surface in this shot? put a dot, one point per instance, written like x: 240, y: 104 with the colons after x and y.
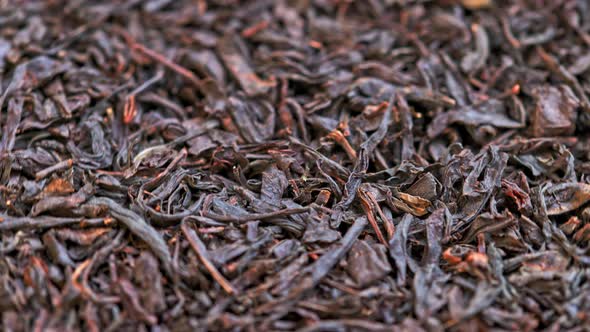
x: 295, y: 165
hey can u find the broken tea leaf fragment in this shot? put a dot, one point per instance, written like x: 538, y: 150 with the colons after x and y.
x: 237, y: 64
x: 566, y: 197
x: 476, y: 60
x: 491, y: 112
x: 546, y: 261
x: 476, y: 4
x: 556, y: 110
x: 320, y: 233
x: 418, y: 205
x: 367, y: 263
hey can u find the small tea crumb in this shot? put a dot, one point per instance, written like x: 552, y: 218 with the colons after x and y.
x: 476, y: 4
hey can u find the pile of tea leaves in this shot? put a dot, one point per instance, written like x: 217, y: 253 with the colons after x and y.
x: 283, y: 165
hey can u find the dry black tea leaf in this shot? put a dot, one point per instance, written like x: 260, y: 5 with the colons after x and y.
x: 565, y: 197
